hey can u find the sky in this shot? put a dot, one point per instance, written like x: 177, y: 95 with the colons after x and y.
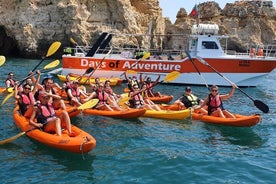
x: 171, y: 7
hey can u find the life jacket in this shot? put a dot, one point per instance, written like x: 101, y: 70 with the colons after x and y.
x: 75, y: 93
x: 108, y: 90
x: 12, y: 82
x: 27, y: 99
x: 214, y: 103
x: 102, y: 96
x: 67, y: 85
x: 46, y: 112
x: 137, y: 100
x: 189, y: 100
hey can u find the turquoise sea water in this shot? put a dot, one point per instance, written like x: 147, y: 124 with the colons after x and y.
x: 149, y: 150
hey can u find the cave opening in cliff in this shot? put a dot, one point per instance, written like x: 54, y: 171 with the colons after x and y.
x: 8, y: 45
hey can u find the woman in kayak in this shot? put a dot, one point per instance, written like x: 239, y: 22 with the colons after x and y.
x: 74, y: 94
x: 150, y: 86
x: 215, y: 105
x: 46, y: 118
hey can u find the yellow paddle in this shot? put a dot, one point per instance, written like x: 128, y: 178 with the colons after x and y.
x: 15, y: 137
x: 53, y: 64
x: 2, y: 60
x: 125, y: 98
x: 171, y: 76
x: 88, y: 104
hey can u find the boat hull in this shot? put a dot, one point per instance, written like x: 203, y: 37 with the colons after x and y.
x: 168, y: 114
x: 82, y: 142
x: 240, y: 121
x: 242, y: 71
x: 124, y: 114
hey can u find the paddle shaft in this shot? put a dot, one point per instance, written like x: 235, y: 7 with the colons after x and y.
x: 192, y: 61
x: 259, y: 104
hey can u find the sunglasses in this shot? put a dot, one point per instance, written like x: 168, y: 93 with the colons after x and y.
x: 214, y: 90
x: 28, y: 88
x: 135, y: 88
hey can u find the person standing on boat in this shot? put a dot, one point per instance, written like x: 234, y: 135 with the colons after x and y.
x: 10, y: 82
x: 188, y: 99
x: 214, y: 103
x: 150, y: 86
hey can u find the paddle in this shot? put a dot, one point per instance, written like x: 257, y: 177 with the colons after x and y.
x: 259, y: 104
x: 89, y: 104
x: 2, y: 60
x: 88, y: 70
x: 49, y: 66
x: 98, y: 65
x: 190, y: 58
x: 105, y: 42
x: 75, y: 43
x: 15, y: 136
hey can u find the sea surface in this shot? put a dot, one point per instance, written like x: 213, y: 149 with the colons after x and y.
x: 148, y: 150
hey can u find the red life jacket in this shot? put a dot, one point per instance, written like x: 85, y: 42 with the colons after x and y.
x: 138, y: 99
x: 46, y: 112
x: 214, y: 103
x: 102, y: 96
x: 12, y: 82
x: 27, y: 99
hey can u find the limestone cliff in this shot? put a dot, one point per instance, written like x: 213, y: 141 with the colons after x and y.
x: 27, y: 28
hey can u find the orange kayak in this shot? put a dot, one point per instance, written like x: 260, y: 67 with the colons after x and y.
x: 161, y: 99
x: 126, y: 113
x: 240, y: 121
x: 82, y: 142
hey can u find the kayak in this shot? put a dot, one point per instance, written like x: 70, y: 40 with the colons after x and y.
x: 113, y: 82
x: 168, y: 114
x: 125, y: 114
x: 82, y: 142
x: 118, y: 79
x: 161, y: 99
x: 240, y: 121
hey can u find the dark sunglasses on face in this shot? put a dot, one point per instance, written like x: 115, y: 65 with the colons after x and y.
x: 27, y: 88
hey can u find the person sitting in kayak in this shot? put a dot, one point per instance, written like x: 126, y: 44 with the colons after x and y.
x: 46, y: 118
x: 145, y: 96
x: 25, y: 100
x: 136, y: 99
x: 150, y: 86
x: 104, y: 99
x: 188, y: 99
x: 214, y: 103
x: 107, y: 88
x: 74, y: 94
x: 10, y: 82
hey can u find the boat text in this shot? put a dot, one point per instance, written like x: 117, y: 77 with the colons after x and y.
x: 147, y: 66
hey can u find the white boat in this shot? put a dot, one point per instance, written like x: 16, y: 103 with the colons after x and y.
x: 244, y: 69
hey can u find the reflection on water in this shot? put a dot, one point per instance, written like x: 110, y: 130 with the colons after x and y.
x: 245, y: 137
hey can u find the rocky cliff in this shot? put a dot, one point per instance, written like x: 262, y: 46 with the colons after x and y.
x: 27, y: 28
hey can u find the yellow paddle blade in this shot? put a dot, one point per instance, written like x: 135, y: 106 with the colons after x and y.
x: 7, y: 97
x: 2, y: 60
x: 53, y: 64
x: 10, y: 89
x: 145, y: 56
x: 131, y: 72
x: 53, y: 48
x: 123, y: 100
x: 73, y: 41
x: 89, y: 104
x: 171, y: 76
x: 11, y: 138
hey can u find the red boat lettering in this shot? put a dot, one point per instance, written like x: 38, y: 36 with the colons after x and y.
x: 245, y: 63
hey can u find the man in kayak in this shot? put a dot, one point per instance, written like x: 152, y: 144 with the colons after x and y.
x: 214, y: 103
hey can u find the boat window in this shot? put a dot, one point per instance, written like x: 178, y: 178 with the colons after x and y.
x: 209, y: 45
